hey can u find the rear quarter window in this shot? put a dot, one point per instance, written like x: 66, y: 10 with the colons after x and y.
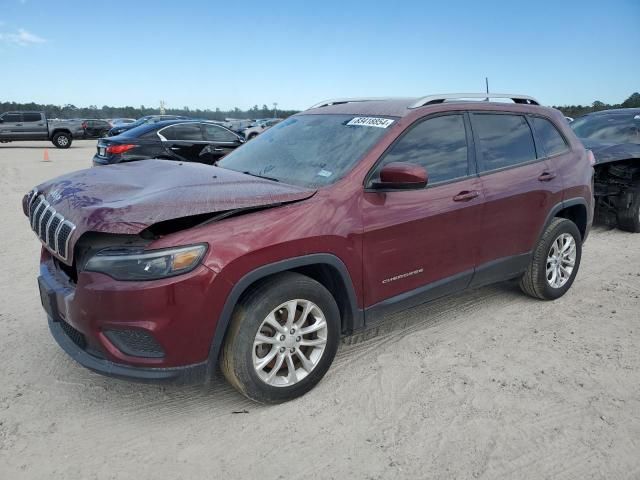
x: 505, y: 140
x: 552, y: 142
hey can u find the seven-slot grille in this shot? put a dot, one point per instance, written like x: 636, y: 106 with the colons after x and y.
x: 51, y: 227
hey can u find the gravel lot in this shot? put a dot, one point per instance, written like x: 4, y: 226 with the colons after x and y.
x: 487, y: 384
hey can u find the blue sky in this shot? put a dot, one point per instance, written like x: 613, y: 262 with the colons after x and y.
x: 211, y: 54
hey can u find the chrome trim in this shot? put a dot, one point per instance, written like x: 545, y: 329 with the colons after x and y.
x: 66, y: 245
x: 42, y: 231
x: 46, y: 227
x: 334, y: 101
x: 434, y: 99
x: 35, y: 214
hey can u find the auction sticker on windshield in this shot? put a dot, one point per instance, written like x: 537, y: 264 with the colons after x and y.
x: 371, y: 122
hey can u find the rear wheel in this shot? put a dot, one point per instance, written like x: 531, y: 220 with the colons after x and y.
x: 629, y: 215
x: 62, y: 140
x: 555, y: 261
x: 282, y: 340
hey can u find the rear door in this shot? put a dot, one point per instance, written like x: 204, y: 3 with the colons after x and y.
x: 220, y: 142
x: 11, y: 127
x: 183, y: 141
x: 420, y: 244
x: 34, y: 126
x: 519, y: 187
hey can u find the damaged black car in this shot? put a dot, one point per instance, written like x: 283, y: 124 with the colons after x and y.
x: 614, y: 138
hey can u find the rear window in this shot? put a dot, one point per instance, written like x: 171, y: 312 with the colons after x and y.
x: 552, y: 141
x: 505, y: 140
x: 32, y: 117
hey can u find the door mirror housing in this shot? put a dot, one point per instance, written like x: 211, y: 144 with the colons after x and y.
x: 401, y: 176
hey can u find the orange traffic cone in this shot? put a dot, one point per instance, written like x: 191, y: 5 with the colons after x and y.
x: 46, y: 156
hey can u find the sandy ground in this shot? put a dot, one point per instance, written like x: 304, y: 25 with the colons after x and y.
x: 487, y: 384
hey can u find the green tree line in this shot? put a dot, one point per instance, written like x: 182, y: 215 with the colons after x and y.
x: 92, y: 111
x: 575, y: 111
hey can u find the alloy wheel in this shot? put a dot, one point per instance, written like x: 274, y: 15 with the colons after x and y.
x: 561, y: 261
x: 289, y: 343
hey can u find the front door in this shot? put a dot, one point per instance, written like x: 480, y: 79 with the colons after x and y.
x: 421, y: 244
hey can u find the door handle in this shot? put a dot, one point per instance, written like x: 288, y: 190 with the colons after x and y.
x: 175, y: 148
x: 546, y: 176
x: 217, y: 149
x: 466, y: 196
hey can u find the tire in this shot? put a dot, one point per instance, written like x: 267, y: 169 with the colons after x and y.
x: 536, y: 282
x: 629, y: 215
x: 62, y: 140
x: 241, y: 358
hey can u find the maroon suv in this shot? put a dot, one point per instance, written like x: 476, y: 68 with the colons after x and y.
x: 317, y: 228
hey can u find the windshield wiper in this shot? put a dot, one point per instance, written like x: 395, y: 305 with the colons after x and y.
x: 261, y: 176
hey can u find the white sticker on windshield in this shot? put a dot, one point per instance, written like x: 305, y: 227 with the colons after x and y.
x: 371, y: 122
x: 325, y: 173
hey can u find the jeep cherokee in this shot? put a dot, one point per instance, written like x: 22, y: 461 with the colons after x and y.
x: 319, y: 227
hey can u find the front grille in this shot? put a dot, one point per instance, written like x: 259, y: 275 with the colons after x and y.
x: 137, y: 343
x: 51, y: 227
x: 75, y: 336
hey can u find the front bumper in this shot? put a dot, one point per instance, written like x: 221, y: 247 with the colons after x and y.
x: 147, y: 331
x: 189, y: 374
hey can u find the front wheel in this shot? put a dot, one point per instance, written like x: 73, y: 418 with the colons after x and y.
x: 629, y: 214
x: 62, y: 140
x: 555, y: 261
x: 282, y: 340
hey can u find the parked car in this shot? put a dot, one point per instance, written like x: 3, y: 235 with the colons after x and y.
x: 121, y: 121
x: 614, y: 138
x: 237, y: 125
x: 319, y: 227
x: 95, y: 128
x: 17, y: 126
x: 187, y: 140
x: 118, y: 129
x: 258, y: 127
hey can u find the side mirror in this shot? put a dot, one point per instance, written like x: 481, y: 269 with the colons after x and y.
x: 401, y: 176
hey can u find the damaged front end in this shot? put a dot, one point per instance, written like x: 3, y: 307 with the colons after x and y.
x: 143, y: 201
x: 617, y: 184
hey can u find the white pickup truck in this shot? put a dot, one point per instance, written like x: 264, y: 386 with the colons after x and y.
x: 16, y: 126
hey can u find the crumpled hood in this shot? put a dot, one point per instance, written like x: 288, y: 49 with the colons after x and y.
x: 127, y: 198
x: 612, y: 152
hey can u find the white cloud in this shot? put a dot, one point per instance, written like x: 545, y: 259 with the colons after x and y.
x: 22, y: 38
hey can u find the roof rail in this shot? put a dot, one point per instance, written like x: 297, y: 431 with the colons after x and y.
x: 434, y: 99
x: 337, y: 101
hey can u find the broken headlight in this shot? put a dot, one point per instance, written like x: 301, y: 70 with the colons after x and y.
x: 138, y: 264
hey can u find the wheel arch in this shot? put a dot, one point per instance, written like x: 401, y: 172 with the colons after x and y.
x: 61, y: 130
x: 325, y: 268
x: 574, y: 209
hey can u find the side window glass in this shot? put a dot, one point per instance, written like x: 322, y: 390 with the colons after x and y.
x: 184, y: 131
x: 505, y: 140
x: 12, y: 118
x: 552, y: 142
x: 438, y: 144
x: 213, y: 133
x: 32, y: 117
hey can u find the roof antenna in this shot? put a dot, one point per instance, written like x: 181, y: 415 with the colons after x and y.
x: 486, y: 82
